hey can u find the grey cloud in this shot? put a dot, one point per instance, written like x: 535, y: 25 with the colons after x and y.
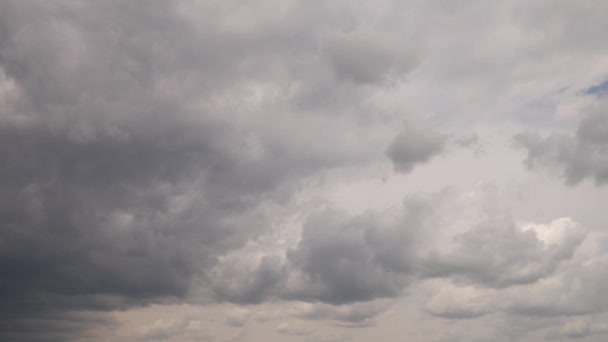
x: 331, y: 337
x: 238, y: 317
x: 249, y: 284
x: 133, y: 154
x: 339, y: 259
x: 499, y: 254
x: 458, y: 312
x: 577, y: 329
x: 569, y: 298
x: 413, y: 146
x: 350, y: 260
x: 472, y: 142
x: 57, y: 326
x: 351, y: 315
x: 343, y: 259
x: 583, y: 155
x: 163, y: 329
x: 292, y: 330
x: 460, y: 303
x: 367, y: 59
x: 575, y: 291
x: 142, y: 142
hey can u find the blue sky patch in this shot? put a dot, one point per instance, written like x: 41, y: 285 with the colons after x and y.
x: 599, y: 90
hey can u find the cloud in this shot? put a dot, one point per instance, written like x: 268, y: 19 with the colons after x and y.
x: 140, y: 144
x: 574, y: 291
x: 350, y: 315
x: 240, y: 283
x: 364, y: 60
x: 292, y: 330
x: 575, y: 157
x: 238, y: 317
x: 453, y: 302
x: 145, y: 147
x: 414, y: 145
x: 563, y: 304
x: 342, y: 259
x: 500, y: 254
x: 163, y: 329
x: 578, y: 329
x: 331, y: 337
x: 345, y: 265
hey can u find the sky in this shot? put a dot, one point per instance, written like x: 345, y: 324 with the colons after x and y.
x: 303, y: 170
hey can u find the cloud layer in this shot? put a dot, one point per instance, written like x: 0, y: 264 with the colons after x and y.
x: 301, y: 163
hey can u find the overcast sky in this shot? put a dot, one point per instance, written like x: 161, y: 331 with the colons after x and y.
x: 303, y: 171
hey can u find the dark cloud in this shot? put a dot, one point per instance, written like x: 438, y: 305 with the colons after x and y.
x: 367, y: 59
x: 583, y: 155
x: 239, y: 283
x: 133, y: 153
x: 144, y: 144
x: 56, y: 326
x: 342, y: 259
x: 414, y: 145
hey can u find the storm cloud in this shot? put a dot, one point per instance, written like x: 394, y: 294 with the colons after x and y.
x: 227, y: 171
x: 125, y: 171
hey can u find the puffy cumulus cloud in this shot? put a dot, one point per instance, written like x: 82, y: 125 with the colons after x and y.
x: 575, y: 157
x: 414, y: 145
x: 338, y: 259
x: 498, y: 253
x: 565, y: 304
x: 140, y: 141
x: 347, y: 268
x: 574, y: 290
x: 342, y: 259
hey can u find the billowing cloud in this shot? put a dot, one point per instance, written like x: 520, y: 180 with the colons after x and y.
x: 500, y: 254
x: 229, y: 155
x: 129, y: 165
x: 347, y: 268
x: 414, y: 145
x: 575, y: 157
x: 342, y: 259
